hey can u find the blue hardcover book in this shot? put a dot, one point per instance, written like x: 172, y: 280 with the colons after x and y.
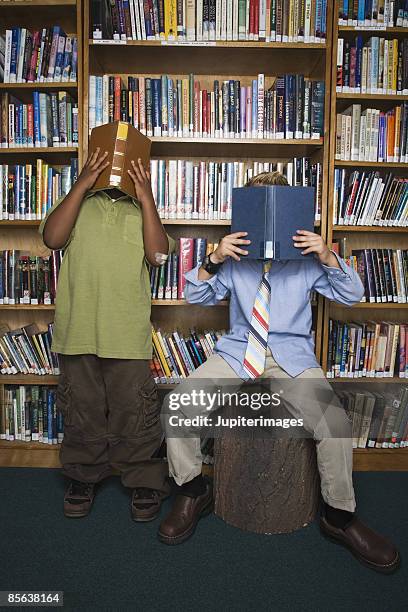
x: 271, y: 216
x: 49, y: 416
x: 361, y: 12
x: 14, y: 54
x: 254, y: 120
x: 37, y: 129
x: 156, y: 104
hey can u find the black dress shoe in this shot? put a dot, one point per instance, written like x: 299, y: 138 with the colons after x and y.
x: 370, y: 548
x: 187, y: 510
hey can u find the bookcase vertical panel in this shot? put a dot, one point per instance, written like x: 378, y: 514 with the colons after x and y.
x: 360, y: 237
x: 23, y: 235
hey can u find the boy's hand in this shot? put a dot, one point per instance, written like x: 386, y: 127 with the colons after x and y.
x: 141, y: 179
x: 94, y: 165
x: 314, y: 243
x: 228, y: 247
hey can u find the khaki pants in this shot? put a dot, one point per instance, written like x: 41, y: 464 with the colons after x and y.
x: 334, y: 454
x: 111, y: 421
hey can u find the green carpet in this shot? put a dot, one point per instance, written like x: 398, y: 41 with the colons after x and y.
x: 107, y: 562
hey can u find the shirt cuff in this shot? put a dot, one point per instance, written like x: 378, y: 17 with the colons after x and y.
x: 192, y: 277
x: 344, y: 269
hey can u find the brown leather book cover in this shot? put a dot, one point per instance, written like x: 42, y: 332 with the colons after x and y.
x: 124, y: 143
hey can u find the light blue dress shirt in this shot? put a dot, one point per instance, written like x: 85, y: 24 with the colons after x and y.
x: 290, y: 322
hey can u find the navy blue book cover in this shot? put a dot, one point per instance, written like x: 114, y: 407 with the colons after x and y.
x: 271, y: 216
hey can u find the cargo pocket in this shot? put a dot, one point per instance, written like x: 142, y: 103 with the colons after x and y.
x: 150, y: 403
x: 64, y: 400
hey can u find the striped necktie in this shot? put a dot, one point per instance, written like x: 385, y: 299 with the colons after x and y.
x: 255, y: 354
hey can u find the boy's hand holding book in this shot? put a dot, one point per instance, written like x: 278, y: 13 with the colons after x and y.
x: 314, y: 243
x: 141, y: 180
x: 94, y: 165
x: 229, y: 247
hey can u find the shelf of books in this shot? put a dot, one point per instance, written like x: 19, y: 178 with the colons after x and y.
x: 40, y: 152
x: 200, y: 106
x: 364, y: 346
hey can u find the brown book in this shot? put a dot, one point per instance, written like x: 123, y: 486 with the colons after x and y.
x: 123, y: 143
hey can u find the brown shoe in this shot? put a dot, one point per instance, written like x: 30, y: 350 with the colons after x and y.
x: 78, y: 499
x: 146, y: 504
x: 369, y: 547
x: 182, y: 519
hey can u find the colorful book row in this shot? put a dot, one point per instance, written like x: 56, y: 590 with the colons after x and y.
x: 210, y: 20
x: 290, y: 106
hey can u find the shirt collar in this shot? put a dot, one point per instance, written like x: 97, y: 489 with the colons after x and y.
x: 93, y: 192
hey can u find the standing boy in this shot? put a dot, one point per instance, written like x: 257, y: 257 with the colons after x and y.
x: 103, y: 337
x: 271, y: 319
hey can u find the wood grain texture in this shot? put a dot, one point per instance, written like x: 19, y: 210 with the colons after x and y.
x: 266, y: 486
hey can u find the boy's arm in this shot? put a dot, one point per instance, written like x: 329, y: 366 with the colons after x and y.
x: 157, y: 244
x: 333, y: 277
x: 210, y: 290
x: 205, y: 287
x: 58, y: 226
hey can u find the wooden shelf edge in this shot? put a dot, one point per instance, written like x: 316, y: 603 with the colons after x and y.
x: 370, y: 96
x: 230, y: 44
x: 38, y: 455
x: 39, y: 85
x: 37, y: 150
x: 369, y: 228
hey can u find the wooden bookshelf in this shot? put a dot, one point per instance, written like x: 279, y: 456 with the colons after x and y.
x: 24, y: 235
x: 363, y: 237
x: 229, y: 59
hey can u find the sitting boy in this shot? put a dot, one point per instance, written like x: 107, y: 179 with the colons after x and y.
x: 270, y: 320
x: 103, y: 337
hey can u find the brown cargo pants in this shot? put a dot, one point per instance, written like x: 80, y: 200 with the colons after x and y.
x: 111, y: 416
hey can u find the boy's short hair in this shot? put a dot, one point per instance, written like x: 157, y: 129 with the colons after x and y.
x: 267, y: 178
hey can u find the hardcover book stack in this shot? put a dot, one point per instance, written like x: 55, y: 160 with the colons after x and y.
x: 379, y: 66
x: 28, y: 191
x: 28, y: 279
x: 369, y: 198
x: 285, y: 107
x: 30, y: 414
x: 373, y: 13
x: 384, y: 273
x: 372, y: 350
x: 43, y: 56
x: 27, y: 350
x: 379, y: 420
x: 210, y: 20
x: 372, y: 134
x: 50, y: 120
x: 194, y: 189
x: 176, y: 355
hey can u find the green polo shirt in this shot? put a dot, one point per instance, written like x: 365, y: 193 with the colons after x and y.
x: 103, y: 302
